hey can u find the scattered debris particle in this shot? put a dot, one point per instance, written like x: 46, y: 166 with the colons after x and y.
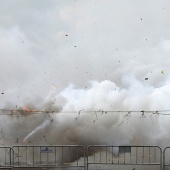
x: 80, y: 111
x: 162, y: 72
x: 46, y: 140
x: 75, y: 46
x: 141, y: 19
x: 121, y: 123
x: 143, y: 114
x: 96, y: 115
x: 146, y: 39
x: 66, y: 35
x: 2, y: 93
x: 21, y: 39
x: 146, y: 78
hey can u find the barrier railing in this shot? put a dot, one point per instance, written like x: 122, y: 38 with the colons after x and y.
x: 100, y: 156
x: 166, y: 158
x: 77, y: 157
x: 67, y: 156
x: 5, y: 157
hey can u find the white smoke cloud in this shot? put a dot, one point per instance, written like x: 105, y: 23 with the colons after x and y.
x: 88, y: 117
x: 98, y: 56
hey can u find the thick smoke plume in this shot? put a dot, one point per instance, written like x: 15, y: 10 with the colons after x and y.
x: 89, y: 116
x: 115, y: 57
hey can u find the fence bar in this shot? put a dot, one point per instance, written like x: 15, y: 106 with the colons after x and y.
x: 77, y: 157
x: 126, y: 156
x: 59, y: 156
x: 166, y: 158
x: 5, y: 157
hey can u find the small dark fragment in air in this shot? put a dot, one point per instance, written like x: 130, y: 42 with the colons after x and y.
x: 66, y: 35
x: 146, y: 78
x: 75, y: 46
x: 2, y: 93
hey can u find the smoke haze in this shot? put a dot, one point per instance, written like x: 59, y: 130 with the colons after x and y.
x: 78, y: 60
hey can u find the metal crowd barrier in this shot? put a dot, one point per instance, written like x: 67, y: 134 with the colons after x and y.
x: 61, y: 157
x: 78, y: 158
x: 5, y: 157
x: 166, y: 158
x: 136, y: 157
x: 66, y: 156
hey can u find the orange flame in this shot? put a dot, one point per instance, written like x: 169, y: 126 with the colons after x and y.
x: 23, y: 111
x: 26, y: 109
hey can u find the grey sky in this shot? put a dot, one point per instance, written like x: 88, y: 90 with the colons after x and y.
x: 85, y: 54
x: 61, y: 42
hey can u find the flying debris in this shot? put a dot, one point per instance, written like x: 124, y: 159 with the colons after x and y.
x: 128, y: 114
x: 21, y: 39
x: 96, y: 116
x: 53, y: 86
x: 121, y: 123
x: 80, y: 111
x: 162, y: 72
x: 143, y: 114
